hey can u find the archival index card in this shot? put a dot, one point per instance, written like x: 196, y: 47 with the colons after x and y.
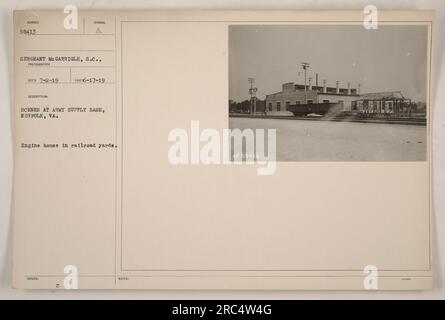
x: 222, y: 150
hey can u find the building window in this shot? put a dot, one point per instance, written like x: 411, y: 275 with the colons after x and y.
x: 298, y: 102
x: 354, y: 105
x: 287, y: 105
x: 341, y: 102
x: 325, y: 101
x: 278, y: 106
x: 310, y: 101
x: 390, y: 106
x: 270, y: 106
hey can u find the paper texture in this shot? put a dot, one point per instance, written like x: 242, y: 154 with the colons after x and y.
x: 99, y: 203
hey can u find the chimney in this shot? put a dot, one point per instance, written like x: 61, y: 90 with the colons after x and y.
x: 316, y: 79
x: 337, y: 89
x: 324, y: 86
x: 310, y: 83
x: 349, y: 88
x: 358, y: 89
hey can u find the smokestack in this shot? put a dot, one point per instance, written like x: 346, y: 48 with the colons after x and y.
x: 337, y: 89
x: 349, y: 88
x: 358, y: 88
x: 310, y: 83
x: 324, y: 86
x: 316, y: 79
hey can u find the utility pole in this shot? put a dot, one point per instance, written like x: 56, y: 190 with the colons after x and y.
x: 305, y: 66
x: 252, y: 92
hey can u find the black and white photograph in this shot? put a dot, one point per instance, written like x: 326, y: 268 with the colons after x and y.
x: 229, y: 158
x: 332, y: 92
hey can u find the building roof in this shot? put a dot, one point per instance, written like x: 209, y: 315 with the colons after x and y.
x: 382, y: 95
x: 330, y: 90
x: 316, y: 89
x: 353, y: 94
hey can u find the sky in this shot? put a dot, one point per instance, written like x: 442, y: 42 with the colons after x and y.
x: 391, y: 58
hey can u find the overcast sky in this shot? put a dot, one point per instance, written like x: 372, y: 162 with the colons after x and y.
x: 391, y: 58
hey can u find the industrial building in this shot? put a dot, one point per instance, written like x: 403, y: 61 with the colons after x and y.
x: 294, y: 94
x: 385, y: 103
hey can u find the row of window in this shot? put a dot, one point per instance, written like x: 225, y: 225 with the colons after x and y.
x: 377, y: 103
x: 379, y: 106
x: 287, y: 104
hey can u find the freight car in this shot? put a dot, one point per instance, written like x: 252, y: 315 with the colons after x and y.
x: 315, y: 108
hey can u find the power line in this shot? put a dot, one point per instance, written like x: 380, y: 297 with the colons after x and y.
x: 252, y: 92
x: 305, y: 66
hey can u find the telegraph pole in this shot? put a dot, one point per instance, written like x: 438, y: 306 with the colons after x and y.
x: 305, y: 66
x: 252, y: 92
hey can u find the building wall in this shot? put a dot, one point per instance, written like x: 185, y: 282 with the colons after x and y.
x: 290, y: 97
x: 292, y: 94
x: 347, y: 99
